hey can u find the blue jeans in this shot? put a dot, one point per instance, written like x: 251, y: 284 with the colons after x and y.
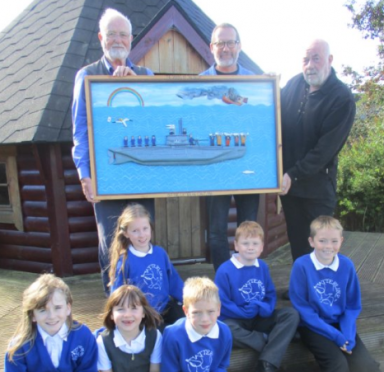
x: 218, y: 209
x: 106, y: 213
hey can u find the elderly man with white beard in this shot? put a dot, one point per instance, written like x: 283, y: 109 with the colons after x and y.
x: 115, y: 35
x: 317, y: 113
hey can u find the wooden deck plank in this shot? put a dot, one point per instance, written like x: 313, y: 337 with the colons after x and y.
x: 379, y: 277
x: 372, y: 262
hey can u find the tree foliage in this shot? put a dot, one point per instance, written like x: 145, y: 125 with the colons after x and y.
x: 369, y: 19
x: 361, y: 163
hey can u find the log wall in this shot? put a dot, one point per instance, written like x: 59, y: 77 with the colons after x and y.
x: 39, y: 248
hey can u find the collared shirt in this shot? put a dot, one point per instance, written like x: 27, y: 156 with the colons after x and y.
x: 238, y: 264
x: 54, y: 344
x: 195, y: 336
x: 139, y: 253
x: 135, y: 347
x: 319, y: 266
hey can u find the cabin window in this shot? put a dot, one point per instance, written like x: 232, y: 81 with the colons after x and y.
x: 10, y: 205
x: 4, y: 194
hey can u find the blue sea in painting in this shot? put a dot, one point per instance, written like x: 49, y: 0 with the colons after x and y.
x: 257, y: 169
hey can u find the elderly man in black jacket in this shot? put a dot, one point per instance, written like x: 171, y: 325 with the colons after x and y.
x: 317, y: 115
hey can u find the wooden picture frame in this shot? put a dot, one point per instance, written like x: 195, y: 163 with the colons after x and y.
x: 171, y: 136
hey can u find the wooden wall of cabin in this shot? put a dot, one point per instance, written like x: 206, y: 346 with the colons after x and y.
x: 59, y: 227
x: 173, y: 54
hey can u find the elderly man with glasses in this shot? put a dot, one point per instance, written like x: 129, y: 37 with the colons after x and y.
x: 115, y: 35
x: 225, y: 47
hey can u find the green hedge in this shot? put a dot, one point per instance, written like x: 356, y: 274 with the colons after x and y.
x: 361, y: 178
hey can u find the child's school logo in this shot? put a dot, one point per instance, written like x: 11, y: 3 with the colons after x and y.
x: 328, y: 291
x: 253, y: 289
x: 153, y: 277
x: 77, y: 353
x: 201, y: 362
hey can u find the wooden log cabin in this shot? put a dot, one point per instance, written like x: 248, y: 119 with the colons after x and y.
x: 46, y: 225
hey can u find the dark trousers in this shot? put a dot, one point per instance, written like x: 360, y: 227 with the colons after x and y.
x: 280, y: 328
x: 171, y: 313
x: 299, y: 213
x: 106, y: 213
x: 218, y: 209
x: 330, y: 357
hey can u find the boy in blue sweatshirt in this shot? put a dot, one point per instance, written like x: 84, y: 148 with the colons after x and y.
x: 198, y: 342
x: 248, y: 299
x: 325, y: 290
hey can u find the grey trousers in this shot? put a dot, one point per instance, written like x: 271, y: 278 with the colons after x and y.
x: 268, y: 336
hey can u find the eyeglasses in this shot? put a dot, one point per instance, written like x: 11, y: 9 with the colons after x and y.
x: 230, y: 44
x: 113, y: 35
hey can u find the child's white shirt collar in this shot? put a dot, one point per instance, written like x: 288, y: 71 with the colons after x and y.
x: 61, y: 335
x: 319, y: 266
x: 137, y: 345
x: 139, y: 253
x: 238, y: 264
x: 195, y: 336
x: 54, y: 344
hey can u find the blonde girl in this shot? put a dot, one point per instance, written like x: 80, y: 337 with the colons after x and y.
x: 47, y: 338
x: 134, y: 260
x: 130, y: 341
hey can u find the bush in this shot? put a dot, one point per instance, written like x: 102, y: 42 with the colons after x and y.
x: 361, y: 180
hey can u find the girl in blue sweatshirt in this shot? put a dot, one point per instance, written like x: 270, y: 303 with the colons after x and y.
x: 325, y: 290
x: 47, y: 339
x: 134, y: 260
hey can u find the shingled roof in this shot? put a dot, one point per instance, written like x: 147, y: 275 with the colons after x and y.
x: 44, y: 47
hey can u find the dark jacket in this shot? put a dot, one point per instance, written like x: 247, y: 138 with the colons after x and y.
x: 315, y: 127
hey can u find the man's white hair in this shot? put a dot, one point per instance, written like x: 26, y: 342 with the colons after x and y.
x: 107, y: 17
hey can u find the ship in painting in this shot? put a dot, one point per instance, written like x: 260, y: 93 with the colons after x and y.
x: 179, y: 149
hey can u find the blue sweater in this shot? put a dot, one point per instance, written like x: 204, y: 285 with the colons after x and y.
x: 79, y: 355
x: 204, y: 355
x: 154, y: 274
x: 242, y: 71
x: 325, y: 297
x: 245, y: 292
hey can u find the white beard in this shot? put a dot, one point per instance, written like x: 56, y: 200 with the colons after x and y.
x: 316, y: 80
x: 116, y: 52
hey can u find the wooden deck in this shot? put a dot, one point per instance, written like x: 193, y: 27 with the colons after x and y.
x: 365, y: 249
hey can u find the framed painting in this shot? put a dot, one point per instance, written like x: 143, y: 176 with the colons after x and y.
x: 164, y: 136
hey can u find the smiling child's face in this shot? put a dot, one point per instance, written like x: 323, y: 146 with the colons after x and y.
x: 52, y: 317
x: 326, y: 244
x: 128, y: 317
x: 139, y: 232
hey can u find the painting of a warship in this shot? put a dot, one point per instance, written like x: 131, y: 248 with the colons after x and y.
x: 180, y: 149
